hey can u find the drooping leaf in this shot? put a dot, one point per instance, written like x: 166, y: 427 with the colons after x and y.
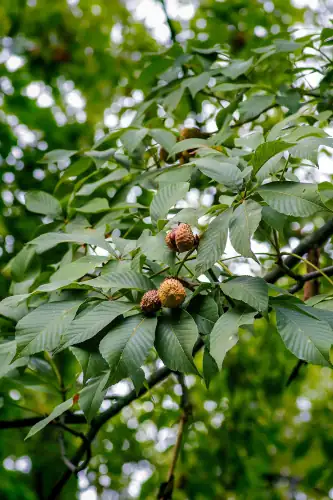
x: 251, y: 290
x: 92, y: 363
x: 126, y: 346
x: 197, y: 83
x: 155, y: 248
x: 243, y: 224
x: 41, y: 329
x: 307, y: 148
x: 43, y: 203
x: 86, y: 236
x: 74, y: 270
x: 225, y: 173
x: 7, y: 353
x: 176, y: 335
x: 292, y: 198
x: 58, y: 410
x: 86, y: 326
x: 255, y: 105
x: 127, y: 279
x: 209, y: 367
x: 266, y: 151
x: 132, y: 138
x: 186, y: 144
x: 20, y: 264
x: 213, y: 242
x: 89, y: 188
x: 307, y: 338
x: 225, y: 333
x: 273, y: 218
x: 237, y: 68
x: 94, y: 206
x: 91, y: 396
x: 204, y: 311
x: 57, y: 155
x: 163, y: 137
x: 165, y: 198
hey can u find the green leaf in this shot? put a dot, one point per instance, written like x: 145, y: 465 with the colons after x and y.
x: 7, y: 353
x: 225, y: 333
x: 155, y: 248
x: 87, y: 325
x: 222, y: 172
x: 251, y: 290
x: 21, y: 263
x: 213, y: 242
x: 78, y: 268
x: 292, y: 198
x: 287, y: 45
x: 209, y: 367
x: 243, y: 223
x: 87, y: 236
x: 92, y: 363
x: 308, y: 148
x: 116, y: 175
x: 173, y: 99
x: 237, y: 68
x: 74, y: 170
x: 176, y: 335
x: 94, y: 206
x: 128, y: 279
x: 188, y: 216
x: 165, y: 198
x: 14, y: 307
x: 57, y: 155
x: 230, y: 87
x: 273, y: 218
x: 266, y: 151
x: 251, y: 141
x: 40, y: 202
x: 126, y: 346
x: 91, y: 396
x: 255, y: 105
x: 58, y: 410
x: 41, y: 329
x: 132, y: 138
x: 204, y: 311
x: 186, y: 144
x: 197, y: 83
x: 163, y: 137
x: 307, y: 338
x: 271, y: 167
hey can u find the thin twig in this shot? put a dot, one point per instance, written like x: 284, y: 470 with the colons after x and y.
x: 166, y: 489
x: 173, y: 32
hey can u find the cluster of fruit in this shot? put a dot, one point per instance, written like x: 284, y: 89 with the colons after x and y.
x: 171, y: 292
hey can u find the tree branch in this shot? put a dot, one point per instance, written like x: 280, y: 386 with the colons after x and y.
x: 315, y: 239
x: 309, y: 277
x: 173, y: 32
x: 29, y: 422
x: 166, y: 489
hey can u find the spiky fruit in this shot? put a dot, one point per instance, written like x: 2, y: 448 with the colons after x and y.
x: 184, y: 238
x: 192, y: 133
x: 150, y: 302
x: 172, y: 293
x: 171, y: 241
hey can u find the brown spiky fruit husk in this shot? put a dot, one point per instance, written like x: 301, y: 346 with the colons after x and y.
x: 150, y: 302
x: 192, y: 133
x: 184, y: 237
x: 172, y: 293
x: 171, y: 241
